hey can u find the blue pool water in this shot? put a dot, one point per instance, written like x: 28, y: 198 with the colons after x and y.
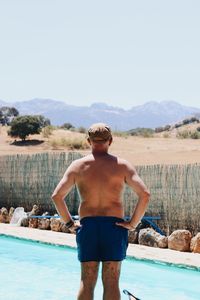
x: 37, y: 271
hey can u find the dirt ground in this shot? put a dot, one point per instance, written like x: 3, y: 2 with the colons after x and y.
x: 138, y: 150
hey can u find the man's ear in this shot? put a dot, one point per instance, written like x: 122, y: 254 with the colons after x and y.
x: 89, y: 141
x: 110, y: 141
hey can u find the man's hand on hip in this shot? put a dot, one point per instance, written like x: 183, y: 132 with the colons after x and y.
x: 126, y: 225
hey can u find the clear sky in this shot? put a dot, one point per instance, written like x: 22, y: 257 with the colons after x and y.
x: 124, y: 53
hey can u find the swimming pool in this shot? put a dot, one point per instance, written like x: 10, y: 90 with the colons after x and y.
x: 37, y: 271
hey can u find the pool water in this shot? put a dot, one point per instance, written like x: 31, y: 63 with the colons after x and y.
x: 36, y: 271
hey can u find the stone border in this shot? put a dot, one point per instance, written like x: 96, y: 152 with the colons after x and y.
x: 139, y: 252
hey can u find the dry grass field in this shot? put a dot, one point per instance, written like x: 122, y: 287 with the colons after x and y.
x: 138, y: 150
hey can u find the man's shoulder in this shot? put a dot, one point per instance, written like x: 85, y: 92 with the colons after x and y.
x: 123, y: 162
x: 82, y: 160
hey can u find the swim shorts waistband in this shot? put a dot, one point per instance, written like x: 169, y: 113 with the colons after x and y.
x: 101, y: 218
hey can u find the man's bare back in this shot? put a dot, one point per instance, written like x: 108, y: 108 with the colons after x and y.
x: 100, y: 180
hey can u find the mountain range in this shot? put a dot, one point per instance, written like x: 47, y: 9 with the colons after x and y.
x: 151, y: 114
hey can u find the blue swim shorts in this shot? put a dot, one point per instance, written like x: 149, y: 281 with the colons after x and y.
x: 100, y: 239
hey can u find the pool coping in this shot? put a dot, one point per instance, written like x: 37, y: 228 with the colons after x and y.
x: 157, y: 255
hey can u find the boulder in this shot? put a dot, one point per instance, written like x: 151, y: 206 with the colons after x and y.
x: 11, y: 212
x: 33, y: 222
x: 4, y: 216
x: 44, y: 223
x: 25, y: 222
x: 180, y: 240
x: 133, y: 237
x: 34, y: 211
x: 150, y: 237
x: 55, y: 224
x: 195, y: 243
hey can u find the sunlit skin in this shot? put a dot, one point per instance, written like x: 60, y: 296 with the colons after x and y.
x: 100, y: 179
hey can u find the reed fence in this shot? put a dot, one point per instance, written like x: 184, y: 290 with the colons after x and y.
x: 175, y: 189
x: 30, y: 179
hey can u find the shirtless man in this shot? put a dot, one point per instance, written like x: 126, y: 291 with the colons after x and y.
x: 102, y: 234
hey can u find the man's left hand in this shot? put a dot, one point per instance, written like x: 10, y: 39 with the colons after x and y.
x: 126, y: 225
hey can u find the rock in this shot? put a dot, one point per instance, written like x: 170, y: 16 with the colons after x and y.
x: 4, y: 216
x: 180, y: 240
x: 44, y: 223
x: 34, y: 211
x: 133, y: 237
x: 55, y: 224
x: 11, y: 212
x: 33, y: 222
x: 195, y: 243
x: 150, y: 237
x: 25, y: 222
x: 64, y: 228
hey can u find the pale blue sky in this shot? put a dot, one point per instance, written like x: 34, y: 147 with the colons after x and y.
x: 124, y: 53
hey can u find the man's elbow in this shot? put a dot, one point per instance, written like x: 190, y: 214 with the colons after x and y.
x: 146, y: 195
x: 56, y: 197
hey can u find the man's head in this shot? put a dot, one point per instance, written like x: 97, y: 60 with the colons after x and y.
x: 99, y: 133
x: 99, y: 137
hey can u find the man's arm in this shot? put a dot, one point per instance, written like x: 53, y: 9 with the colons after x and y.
x: 136, y: 183
x: 62, y: 189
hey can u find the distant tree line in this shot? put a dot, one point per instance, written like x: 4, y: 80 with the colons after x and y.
x: 140, y: 131
x: 177, y: 125
x: 23, y: 126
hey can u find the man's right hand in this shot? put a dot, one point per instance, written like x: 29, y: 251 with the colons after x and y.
x: 74, y: 227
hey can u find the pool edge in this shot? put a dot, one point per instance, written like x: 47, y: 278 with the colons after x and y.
x: 129, y: 257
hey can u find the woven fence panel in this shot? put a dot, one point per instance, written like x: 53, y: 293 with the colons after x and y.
x: 26, y: 180
x: 175, y: 195
x: 175, y: 189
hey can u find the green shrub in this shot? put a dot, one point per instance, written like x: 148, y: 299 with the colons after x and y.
x: 167, y: 127
x: 67, y: 126
x: 195, y: 135
x: 186, y: 121
x: 159, y: 129
x: 144, y: 132
x: 79, y: 144
x: 47, y: 131
x: 177, y: 125
x: 120, y: 133
x: 185, y: 134
x: 194, y: 119
x: 82, y: 129
x: 74, y: 143
x: 166, y: 135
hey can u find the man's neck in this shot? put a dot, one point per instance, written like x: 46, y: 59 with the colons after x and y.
x: 99, y: 152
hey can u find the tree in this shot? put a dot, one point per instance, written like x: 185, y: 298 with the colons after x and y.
x: 22, y: 126
x: 43, y: 121
x: 7, y: 114
x: 67, y: 126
